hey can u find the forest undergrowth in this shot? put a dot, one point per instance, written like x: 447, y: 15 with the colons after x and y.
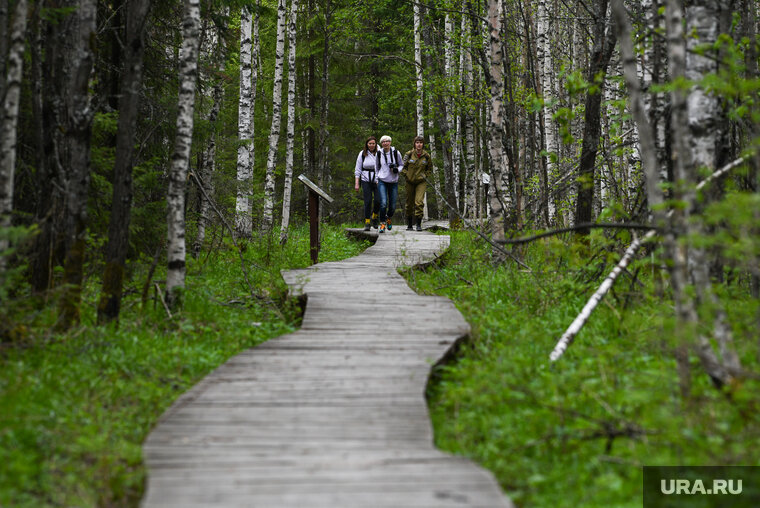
x: 76, y: 407
x: 578, y: 431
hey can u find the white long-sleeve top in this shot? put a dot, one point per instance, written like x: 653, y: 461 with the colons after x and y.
x: 384, y: 172
x: 366, y: 171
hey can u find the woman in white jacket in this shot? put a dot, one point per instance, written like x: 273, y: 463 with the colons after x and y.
x: 365, y: 176
x: 389, y: 165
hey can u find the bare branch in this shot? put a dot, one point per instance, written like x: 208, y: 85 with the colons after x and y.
x: 585, y: 225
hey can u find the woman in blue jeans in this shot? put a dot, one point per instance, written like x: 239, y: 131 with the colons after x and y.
x: 389, y: 165
x: 365, y: 178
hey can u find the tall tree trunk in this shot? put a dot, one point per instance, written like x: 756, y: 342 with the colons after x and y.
x: 4, y: 56
x: 121, y: 206
x: 255, y: 66
x: 449, y: 117
x: 692, y: 149
x: 208, y: 168
x: 705, y: 136
x: 324, y: 99
x: 243, y: 218
x: 291, y: 127
x: 438, y: 104
x: 76, y: 156
x: 418, y: 70
x: 274, y: 133
x: 188, y: 72
x: 546, y: 69
x: 604, y: 44
x: 471, y: 174
x: 498, y: 196
x: 8, y: 128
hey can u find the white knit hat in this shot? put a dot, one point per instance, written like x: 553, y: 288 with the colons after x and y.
x: 385, y: 138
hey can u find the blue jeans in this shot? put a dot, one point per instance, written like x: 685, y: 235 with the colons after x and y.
x: 371, y: 199
x: 388, y: 197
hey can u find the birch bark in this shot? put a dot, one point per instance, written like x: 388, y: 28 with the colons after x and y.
x: 267, y: 220
x: 497, y: 196
x: 8, y: 129
x: 418, y: 71
x: 188, y: 72
x: 243, y: 219
x: 291, y: 122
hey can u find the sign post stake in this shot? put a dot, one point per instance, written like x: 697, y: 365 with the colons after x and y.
x: 314, y: 194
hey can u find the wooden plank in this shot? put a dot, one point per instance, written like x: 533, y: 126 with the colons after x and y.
x: 333, y: 414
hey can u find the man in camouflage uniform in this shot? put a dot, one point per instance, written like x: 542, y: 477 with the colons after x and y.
x: 417, y: 166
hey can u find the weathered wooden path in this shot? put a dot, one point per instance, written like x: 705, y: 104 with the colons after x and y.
x: 333, y: 415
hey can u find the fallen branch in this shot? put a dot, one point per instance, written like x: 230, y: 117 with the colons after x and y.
x: 163, y: 302
x: 577, y: 324
x: 722, y: 171
x: 580, y: 320
x: 585, y: 225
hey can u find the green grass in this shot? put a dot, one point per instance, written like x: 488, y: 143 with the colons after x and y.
x: 75, y: 408
x: 576, y: 433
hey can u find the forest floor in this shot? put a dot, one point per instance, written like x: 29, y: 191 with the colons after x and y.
x: 577, y: 432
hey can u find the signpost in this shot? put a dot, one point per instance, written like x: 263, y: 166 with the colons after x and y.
x: 314, y: 194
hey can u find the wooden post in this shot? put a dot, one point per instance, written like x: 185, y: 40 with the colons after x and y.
x: 314, y: 194
x: 314, y: 226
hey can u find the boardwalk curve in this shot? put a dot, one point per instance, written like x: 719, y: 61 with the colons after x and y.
x: 333, y: 415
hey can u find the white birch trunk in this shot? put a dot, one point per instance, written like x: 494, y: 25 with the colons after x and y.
x: 704, y: 115
x: 434, y: 177
x: 471, y: 176
x: 291, y: 122
x: 567, y: 338
x: 546, y: 67
x: 453, y: 128
x: 418, y: 69
x: 188, y: 71
x: 8, y: 129
x: 498, y: 196
x: 267, y: 219
x: 255, y: 66
x: 243, y: 219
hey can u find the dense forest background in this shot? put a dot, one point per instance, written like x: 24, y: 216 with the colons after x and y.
x: 142, y: 138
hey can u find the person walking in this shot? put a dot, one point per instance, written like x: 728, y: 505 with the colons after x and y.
x: 389, y: 164
x: 365, y: 176
x: 417, y: 166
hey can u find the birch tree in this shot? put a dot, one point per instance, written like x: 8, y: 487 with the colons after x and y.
x: 546, y: 69
x: 274, y: 132
x: 418, y: 70
x: 290, y: 145
x: 121, y: 204
x: 8, y: 136
x: 243, y: 218
x: 188, y: 71
x: 497, y: 195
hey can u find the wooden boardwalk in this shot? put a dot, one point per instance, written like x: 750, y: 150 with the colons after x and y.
x: 333, y: 415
